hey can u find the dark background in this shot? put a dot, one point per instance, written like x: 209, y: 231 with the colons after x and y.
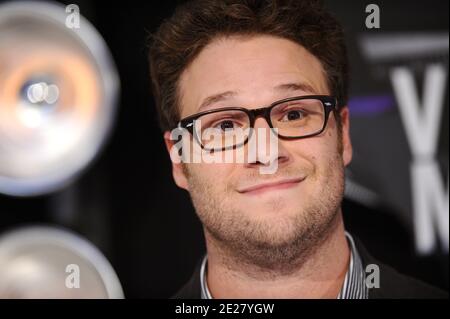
x: 126, y: 202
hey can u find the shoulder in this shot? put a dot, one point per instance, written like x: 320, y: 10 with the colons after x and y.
x: 395, y: 285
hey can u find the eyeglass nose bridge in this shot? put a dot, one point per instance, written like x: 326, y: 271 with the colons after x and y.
x: 263, y: 112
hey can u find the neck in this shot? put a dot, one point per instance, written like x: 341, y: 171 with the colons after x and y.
x: 320, y: 275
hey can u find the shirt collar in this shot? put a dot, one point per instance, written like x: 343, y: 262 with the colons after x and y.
x: 354, y: 286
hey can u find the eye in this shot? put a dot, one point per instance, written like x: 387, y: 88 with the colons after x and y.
x: 228, y: 122
x: 224, y: 121
x: 225, y: 125
x: 293, y: 115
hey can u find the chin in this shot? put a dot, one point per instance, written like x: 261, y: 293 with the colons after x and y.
x: 282, y: 207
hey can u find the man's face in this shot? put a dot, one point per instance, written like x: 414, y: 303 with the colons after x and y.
x: 273, y: 222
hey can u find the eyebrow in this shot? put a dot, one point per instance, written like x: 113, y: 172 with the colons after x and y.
x: 216, y: 98
x: 298, y: 86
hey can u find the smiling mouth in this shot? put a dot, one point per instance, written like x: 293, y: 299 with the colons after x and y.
x: 271, y: 186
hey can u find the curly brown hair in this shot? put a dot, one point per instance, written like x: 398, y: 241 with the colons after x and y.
x: 196, y: 23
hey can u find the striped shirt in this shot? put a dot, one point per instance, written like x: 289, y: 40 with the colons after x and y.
x: 354, y: 286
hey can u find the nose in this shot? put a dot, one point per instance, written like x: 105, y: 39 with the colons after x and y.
x: 264, y: 151
x: 261, y: 122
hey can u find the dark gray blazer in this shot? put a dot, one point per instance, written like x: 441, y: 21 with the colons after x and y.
x: 392, y: 283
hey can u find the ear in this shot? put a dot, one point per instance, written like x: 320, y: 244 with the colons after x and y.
x: 177, y: 166
x: 347, y: 149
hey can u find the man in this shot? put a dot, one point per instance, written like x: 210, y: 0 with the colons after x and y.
x: 238, y: 68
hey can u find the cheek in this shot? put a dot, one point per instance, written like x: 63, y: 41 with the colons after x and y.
x: 329, y: 145
x: 318, y: 152
x: 214, y: 175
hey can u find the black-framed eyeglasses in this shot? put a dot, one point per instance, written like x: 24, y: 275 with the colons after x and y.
x: 291, y: 118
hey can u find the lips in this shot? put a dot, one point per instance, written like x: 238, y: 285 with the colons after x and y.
x: 273, y: 185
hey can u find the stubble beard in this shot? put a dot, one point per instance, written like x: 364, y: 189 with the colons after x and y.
x: 277, y: 246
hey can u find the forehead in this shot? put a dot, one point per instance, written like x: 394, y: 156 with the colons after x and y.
x: 251, y: 67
